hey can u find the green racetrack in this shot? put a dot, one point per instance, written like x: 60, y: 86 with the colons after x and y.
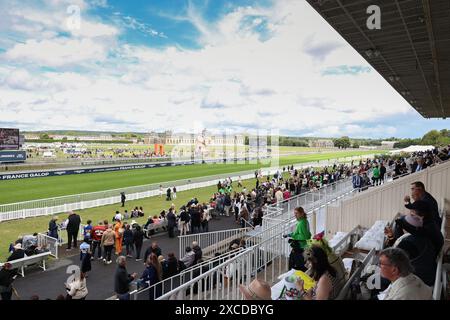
x: 40, y: 188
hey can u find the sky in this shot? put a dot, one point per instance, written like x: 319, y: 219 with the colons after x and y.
x: 185, y: 65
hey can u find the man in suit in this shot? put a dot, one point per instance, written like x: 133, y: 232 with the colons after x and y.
x: 73, y: 226
x: 418, y: 193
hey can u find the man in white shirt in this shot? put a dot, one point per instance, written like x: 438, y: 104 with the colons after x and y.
x: 396, y: 267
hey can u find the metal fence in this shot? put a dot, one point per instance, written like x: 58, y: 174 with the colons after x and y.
x: 49, y: 243
x: 211, y: 242
x: 34, y: 208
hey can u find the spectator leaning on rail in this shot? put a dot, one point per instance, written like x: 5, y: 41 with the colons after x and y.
x: 418, y: 193
x: 18, y: 253
x: 396, y: 267
x: 122, y: 279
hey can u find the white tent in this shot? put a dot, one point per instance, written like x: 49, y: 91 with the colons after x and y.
x: 412, y: 149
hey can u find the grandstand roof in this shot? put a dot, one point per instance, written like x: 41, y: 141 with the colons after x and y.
x: 411, y: 50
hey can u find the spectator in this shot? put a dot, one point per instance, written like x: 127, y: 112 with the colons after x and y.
x: 205, y: 218
x: 154, y: 248
x: 296, y: 259
x: 396, y: 267
x: 189, y: 257
x: 87, y: 231
x: 18, y: 253
x: 7, y: 277
x: 77, y: 289
x: 301, y: 233
x: 171, y: 223
x: 138, y: 239
x: 123, y: 198
x: 357, y: 181
x: 123, y: 279
x: 128, y: 241
x: 184, y: 221
x: 197, y: 251
x: 118, y: 230
x: 85, y: 256
x: 53, y: 228
x: 174, y: 192
x: 169, y: 194
x: 97, y: 234
x: 73, y: 226
x: 152, y: 275
x: 107, y: 243
x: 160, y: 190
x: 256, y: 290
x: 418, y: 193
x: 172, y: 265
x: 420, y: 250
x: 323, y: 274
x: 195, y: 218
x: 147, y: 225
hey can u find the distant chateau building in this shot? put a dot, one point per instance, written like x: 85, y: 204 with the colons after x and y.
x: 388, y: 144
x: 321, y: 143
x: 170, y: 138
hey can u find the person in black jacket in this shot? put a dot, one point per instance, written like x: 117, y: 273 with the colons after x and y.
x: 7, y: 276
x: 198, y: 251
x: 123, y: 198
x: 122, y: 279
x: 172, y: 266
x: 73, y: 226
x: 419, y: 248
x: 53, y: 228
x: 171, y: 222
x: 195, y: 218
x: 18, y: 253
x: 138, y: 239
x: 418, y: 193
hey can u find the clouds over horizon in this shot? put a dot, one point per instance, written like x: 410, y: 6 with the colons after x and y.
x: 257, y: 66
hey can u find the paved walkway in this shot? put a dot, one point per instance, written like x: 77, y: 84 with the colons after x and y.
x: 49, y: 284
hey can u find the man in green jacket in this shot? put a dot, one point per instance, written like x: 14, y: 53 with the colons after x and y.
x: 301, y: 233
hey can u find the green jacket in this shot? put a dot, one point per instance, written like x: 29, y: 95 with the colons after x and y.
x: 376, y: 173
x: 301, y: 232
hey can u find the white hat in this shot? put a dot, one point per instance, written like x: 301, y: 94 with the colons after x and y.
x: 18, y: 246
x: 133, y: 222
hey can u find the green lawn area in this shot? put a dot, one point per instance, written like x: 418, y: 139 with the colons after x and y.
x: 40, y: 188
x: 10, y: 230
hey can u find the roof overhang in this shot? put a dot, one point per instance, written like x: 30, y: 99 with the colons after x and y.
x: 411, y: 50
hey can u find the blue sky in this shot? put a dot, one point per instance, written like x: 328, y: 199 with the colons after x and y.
x: 185, y: 65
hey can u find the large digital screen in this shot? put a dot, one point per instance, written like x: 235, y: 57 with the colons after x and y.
x: 9, y: 139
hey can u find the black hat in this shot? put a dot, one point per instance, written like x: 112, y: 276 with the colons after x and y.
x: 419, y: 206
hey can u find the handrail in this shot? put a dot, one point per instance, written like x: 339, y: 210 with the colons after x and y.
x: 438, y: 282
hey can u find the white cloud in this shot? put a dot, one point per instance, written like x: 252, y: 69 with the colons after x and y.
x: 235, y: 81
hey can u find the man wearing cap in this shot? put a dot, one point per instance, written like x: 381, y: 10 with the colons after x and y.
x: 7, y: 276
x: 418, y: 193
x: 256, y: 290
x: 419, y: 248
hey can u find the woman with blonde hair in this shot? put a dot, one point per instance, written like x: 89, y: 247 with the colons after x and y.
x: 152, y: 275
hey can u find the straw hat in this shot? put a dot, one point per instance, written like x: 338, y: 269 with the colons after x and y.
x: 256, y: 290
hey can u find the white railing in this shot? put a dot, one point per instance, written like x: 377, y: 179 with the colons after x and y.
x: 266, y: 260
x: 34, y: 208
x: 383, y: 202
x: 49, y: 243
x: 166, y: 285
x: 441, y: 275
x: 211, y: 242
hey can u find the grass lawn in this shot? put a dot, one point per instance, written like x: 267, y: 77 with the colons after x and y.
x: 40, y: 188
x: 10, y: 230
